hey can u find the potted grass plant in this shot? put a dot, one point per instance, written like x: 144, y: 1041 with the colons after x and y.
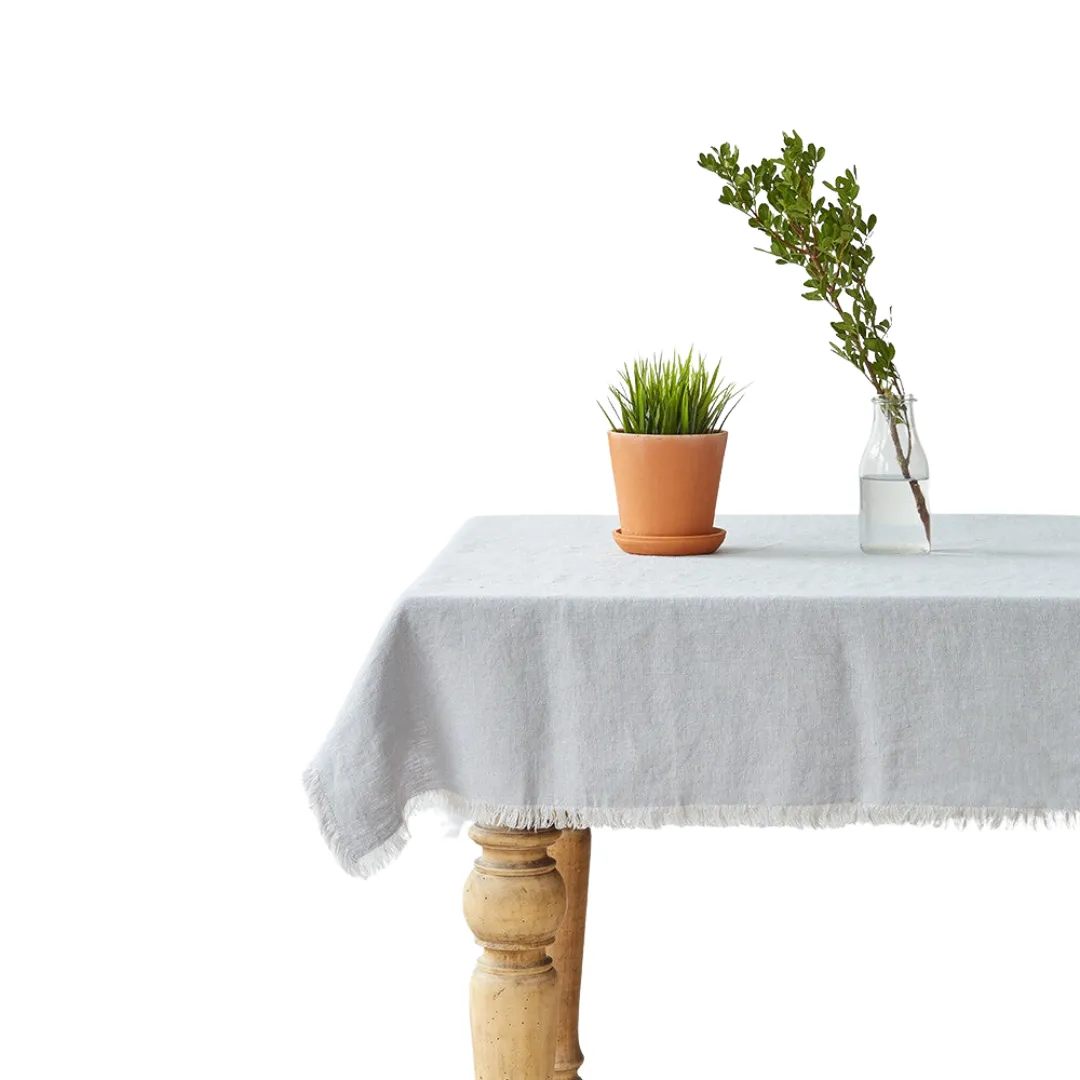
x: 667, y: 443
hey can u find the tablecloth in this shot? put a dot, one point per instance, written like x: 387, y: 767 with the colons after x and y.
x: 536, y: 675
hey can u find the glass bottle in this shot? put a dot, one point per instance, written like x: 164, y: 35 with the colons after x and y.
x: 894, y: 511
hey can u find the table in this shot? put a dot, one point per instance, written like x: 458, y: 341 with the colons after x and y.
x: 539, y: 682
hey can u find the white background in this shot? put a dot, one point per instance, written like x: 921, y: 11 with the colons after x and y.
x: 289, y: 290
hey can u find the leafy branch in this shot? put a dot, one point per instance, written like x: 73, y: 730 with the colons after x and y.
x: 828, y: 238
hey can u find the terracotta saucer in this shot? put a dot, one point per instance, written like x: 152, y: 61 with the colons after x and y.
x: 705, y: 544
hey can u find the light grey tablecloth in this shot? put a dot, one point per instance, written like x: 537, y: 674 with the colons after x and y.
x: 536, y: 675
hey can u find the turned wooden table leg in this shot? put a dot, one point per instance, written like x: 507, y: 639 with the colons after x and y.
x: 514, y: 903
x: 571, y: 852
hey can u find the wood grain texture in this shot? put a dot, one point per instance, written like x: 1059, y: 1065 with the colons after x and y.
x: 572, y: 852
x: 514, y: 903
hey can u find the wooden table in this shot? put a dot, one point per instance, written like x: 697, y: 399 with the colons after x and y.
x: 788, y: 681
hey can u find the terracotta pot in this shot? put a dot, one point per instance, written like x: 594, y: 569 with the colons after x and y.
x: 666, y: 485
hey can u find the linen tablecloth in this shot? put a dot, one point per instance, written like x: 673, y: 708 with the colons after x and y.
x: 536, y: 675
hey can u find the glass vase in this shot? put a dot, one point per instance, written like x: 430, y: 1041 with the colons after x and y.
x: 894, y: 510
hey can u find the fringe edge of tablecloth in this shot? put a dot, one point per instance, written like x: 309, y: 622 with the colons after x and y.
x: 829, y: 815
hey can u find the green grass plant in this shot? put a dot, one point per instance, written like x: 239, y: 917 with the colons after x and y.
x: 680, y: 396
